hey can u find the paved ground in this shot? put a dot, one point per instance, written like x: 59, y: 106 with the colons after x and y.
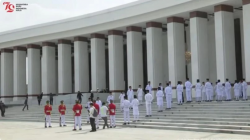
x: 35, y: 131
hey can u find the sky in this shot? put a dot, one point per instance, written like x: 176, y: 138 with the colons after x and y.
x: 42, y: 11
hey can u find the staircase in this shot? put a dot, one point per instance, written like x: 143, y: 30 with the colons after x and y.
x: 217, y: 117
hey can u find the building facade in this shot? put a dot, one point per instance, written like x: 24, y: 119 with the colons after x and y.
x: 150, y: 40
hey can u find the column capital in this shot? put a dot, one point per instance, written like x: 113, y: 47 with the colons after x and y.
x: 19, y: 48
x: 5, y: 50
x: 64, y: 41
x: 154, y: 24
x: 245, y: 2
x: 80, y: 38
x: 175, y: 19
x: 97, y: 35
x: 48, y: 44
x: 34, y: 46
x: 225, y: 8
x: 134, y: 28
x: 198, y: 14
x: 115, y: 32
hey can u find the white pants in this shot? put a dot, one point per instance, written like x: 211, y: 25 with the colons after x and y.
x: 211, y: 95
x: 153, y: 95
x: 48, y: 120
x: 179, y: 98
x: 228, y: 93
x: 126, y: 116
x: 78, y: 121
x: 203, y: 96
x: 148, y: 108
x: 244, y: 94
x: 169, y: 99
x: 112, y: 120
x: 208, y: 95
x: 188, y: 94
x: 160, y: 103
x: 62, y: 120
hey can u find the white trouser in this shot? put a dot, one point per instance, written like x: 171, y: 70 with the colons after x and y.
x: 112, y: 120
x: 203, y: 96
x: 169, y: 99
x: 126, y: 116
x: 211, y: 95
x: 148, y: 108
x: 48, y: 120
x: 188, y: 94
x: 140, y: 99
x: 78, y: 121
x: 208, y: 95
x: 88, y: 116
x: 244, y: 94
x: 179, y: 98
x: 228, y: 95
x: 160, y: 103
x: 62, y: 119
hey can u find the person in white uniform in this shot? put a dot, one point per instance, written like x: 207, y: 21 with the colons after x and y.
x: 126, y: 106
x: 244, y: 89
x: 168, y: 93
x: 212, y: 93
x: 228, y: 90
x: 88, y: 107
x: 110, y: 97
x: 148, y: 101
x: 135, y: 104
x: 130, y: 94
x: 160, y: 96
x: 219, y: 90
x: 188, y: 86
x: 121, y: 97
x: 198, y: 88
x: 215, y: 91
x: 208, y: 90
x: 169, y: 82
x: 140, y: 94
x: 149, y: 88
x: 203, y: 96
x: 179, y: 90
x: 236, y: 90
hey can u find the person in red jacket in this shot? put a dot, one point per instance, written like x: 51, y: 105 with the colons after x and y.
x: 62, y: 110
x: 97, y: 107
x: 112, y: 109
x: 77, y: 108
x: 47, y: 112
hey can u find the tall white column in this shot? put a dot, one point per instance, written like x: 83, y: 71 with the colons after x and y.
x: 134, y: 56
x: 225, y: 42
x: 20, y: 87
x: 176, y: 50
x: 64, y: 66
x: 34, y: 70
x: 81, y: 60
x: 48, y: 68
x: 98, y: 66
x: 7, y: 75
x: 154, y: 53
x: 116, y: 62
x: 165, y: 57
x: 246, y: 24
x: 199, y: 46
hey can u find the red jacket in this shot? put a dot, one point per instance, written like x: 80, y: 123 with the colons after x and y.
x: 62, y: 109
x: 47, y: 109
x: 96, y: 107
x: 112, y: 109
x: 77, y: 108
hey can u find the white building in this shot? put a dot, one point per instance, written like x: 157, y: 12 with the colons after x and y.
x: 128, y: 46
